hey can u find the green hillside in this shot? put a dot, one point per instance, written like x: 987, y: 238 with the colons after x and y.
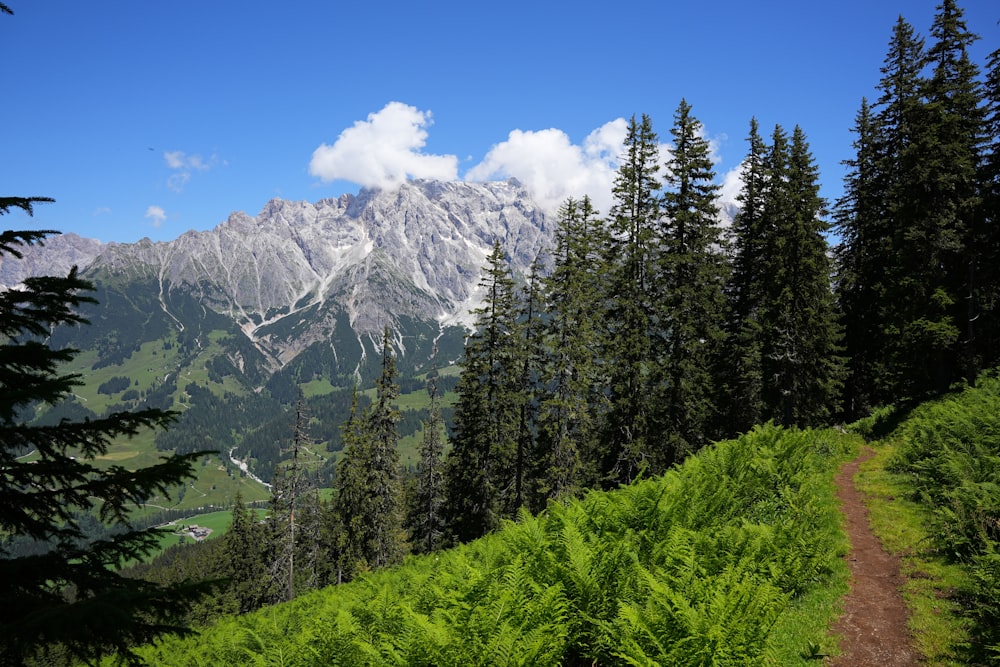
x: 735, y: 556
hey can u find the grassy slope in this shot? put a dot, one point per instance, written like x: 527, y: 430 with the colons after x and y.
x: 735, y: 557
x: 934, y: 500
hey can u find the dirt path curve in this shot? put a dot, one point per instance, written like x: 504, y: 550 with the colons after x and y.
x: 873, y: 625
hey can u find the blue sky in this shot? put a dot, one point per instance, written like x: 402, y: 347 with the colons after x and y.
x: 147, y: 119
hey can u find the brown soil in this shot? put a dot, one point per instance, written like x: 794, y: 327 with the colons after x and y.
x: 873, y: 625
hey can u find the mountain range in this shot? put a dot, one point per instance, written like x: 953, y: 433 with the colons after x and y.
x: 230, y: 324
x: 289, y: 275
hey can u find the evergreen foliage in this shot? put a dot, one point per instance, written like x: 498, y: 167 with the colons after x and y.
x: 425, y: 508
x: 690, y: 277
x: 916, y: 279
x: 482, y: 475
x: 631, y: 309
x: 71, y: 594
x: 741, y: 369
x: 245, y: 565
x: 571, y: 403
x: 368, y: 510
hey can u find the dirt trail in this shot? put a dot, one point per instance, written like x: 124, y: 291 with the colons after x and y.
x: 873, y: 625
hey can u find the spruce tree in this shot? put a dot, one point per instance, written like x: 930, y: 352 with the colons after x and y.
x: 630, y: 306
x: 862, y: 223
x: 288, y: 487
x: 347, y: 517
x: 481, y: 467
x: 72, y: 595
x: 949, y: 192
x: 741, y: 364
x: 425, y: 513
x: 689, y: 281
x: 571, y: 404
x: 246, y: 551
x: 388, y: 539
x: 802, y: 366
x: 368, y: 510
x: 987, y: 238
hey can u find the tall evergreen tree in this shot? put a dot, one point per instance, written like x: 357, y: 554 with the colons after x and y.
x: 571, y: 404
x: 72, y: 594
x: 741, y: 366
x: 287, y: 488
x: 348, y: 529
x: 988, y: 232
x: 802, y: 366
x: 920, y: 328
x: 245, y: 552
x: 368, y: 511
x: 950, y: 196
x: 631, y: 309
x: 481, y: 470
x: 863, y: 226
x: 425, y: 513
x: 689, y: 282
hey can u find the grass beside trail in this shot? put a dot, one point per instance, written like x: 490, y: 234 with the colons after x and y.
x: 939, y: 630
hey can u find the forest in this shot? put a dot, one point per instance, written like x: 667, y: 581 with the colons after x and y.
x: 637, y: 469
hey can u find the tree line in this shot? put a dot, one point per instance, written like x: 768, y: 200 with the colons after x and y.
x: 640, y: 336
x: 646, y: 333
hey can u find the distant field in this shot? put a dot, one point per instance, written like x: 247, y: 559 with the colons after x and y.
x: 218, y: 522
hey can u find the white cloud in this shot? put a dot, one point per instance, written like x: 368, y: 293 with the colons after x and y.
x: 184, y: 164
x: 156, y: 215
x: 552, y: 168
x: 383, y: 151
x: 732, y: 184
x: 180, y: 160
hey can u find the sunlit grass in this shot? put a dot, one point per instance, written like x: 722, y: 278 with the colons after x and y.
x: 938, y: 629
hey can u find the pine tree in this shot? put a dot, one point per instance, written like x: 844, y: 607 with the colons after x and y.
x: 531, y: 360
x: 72, y: 595
x: 288, y: 488
x: 368, y: 509
x: 802, y: 366
x: 481, y: 467
x: 630, y: 305
x: 571, y: 405
x: 347, y: 516
x: 742, y: 361
x: 689, y: 281
x: 246, y: 551
x: 950, y: 198
x: 425, y: 514
x: 988, y: 232
x: 863, y: 226
x: 386, y: 544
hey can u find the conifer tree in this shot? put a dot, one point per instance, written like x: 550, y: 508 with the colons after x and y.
x: 425, y: 514
x: 988, y: 233
x: 72, y: 595
x: 948, y: 189
x: 245, y: 549
x: 630, y: 305
x: 368, y: 510
x: 689, y: 281
x: 742, y: 361
x: 802, y: 366
x: 862, y: 223
x: 481, y: 471
x: 531, y: 360
x: 288, y: 488
x: 347, y: 517
x: 571, y: 404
